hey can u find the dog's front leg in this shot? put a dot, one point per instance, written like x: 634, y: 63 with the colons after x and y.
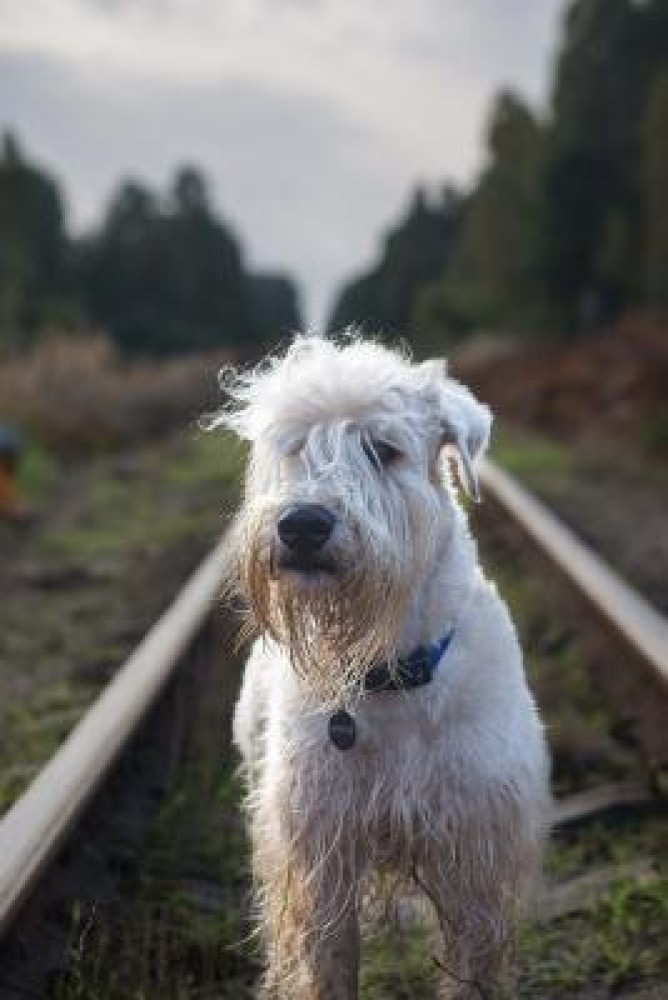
x: 471, y: 972
x: 309, y: 911
x: 476, y: 907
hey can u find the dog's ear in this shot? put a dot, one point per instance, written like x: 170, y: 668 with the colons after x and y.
x: 464, y: 423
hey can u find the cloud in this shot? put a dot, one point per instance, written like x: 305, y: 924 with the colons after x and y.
x: 288, y: 171
x: 313, y: 118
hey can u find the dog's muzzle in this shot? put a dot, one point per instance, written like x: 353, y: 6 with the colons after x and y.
x: 304, y: 530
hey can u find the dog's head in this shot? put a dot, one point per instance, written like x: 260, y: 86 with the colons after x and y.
x: 348, y: 497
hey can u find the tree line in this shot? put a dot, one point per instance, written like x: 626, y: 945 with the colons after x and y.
x: 161, y: 274
x: 567, y: 225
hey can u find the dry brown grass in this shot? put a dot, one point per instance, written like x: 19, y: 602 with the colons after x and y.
x: 76, y: 395
x: 608, y: 386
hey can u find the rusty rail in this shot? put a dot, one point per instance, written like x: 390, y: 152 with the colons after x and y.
x: 645, y: 628
x: 38, y: 823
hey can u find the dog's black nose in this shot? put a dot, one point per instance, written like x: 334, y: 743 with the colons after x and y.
x: 305, y: 527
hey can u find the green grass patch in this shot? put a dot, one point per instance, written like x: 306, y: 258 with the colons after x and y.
x: 213, y: 457
x: 398, y: 963
x: 542, y: 463
x: 32, y: 730
x: 180, y: 928
x: 620, y: 941
x: 574, y: 852
x: 92, y: 576
x: 163, y: 496
x: 654, y: 434
x: 38, y: 474
x: 557, y: 659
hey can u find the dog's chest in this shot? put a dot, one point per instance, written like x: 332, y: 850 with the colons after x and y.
x: 396, y: 754
x: 383, y: 729
x: 386, y: 791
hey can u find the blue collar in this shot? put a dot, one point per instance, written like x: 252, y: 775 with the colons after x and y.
x: 412, y: 671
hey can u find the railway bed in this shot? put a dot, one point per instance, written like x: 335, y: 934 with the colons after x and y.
x: 148, y: 897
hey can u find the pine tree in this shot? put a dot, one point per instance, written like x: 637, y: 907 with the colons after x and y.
x: 655, y: 163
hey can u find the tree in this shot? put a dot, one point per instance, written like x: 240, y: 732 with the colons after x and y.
x: 655, y: 163
x: 209, y: 289
x: 491, y: 277
x: 611, y: 52
x: 34, y: 252
x: 161, y: 274
x: 168, y: 277
x: 564, y: 228
x: 414, y: 252
x: 276, y: 308
x: 121, y: 273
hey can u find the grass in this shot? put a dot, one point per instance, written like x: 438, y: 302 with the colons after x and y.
x: 180, y: 930
x: 654, y: 433
x: 33, y: 729
x: 142, y: 513
x: 616, y: 943
x: 543, y: 463
x: 398, y: 964
x: 558, y: 659
x: 38, y: 473
x: 573, y: 852
x: 79, y: 396
x: 619, y: 941
x: 89, y: 579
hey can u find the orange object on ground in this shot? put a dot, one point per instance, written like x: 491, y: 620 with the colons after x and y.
x: 11, y: 505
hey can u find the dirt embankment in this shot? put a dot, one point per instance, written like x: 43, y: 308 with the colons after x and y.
x: 586, y: 426
x: 612, y: 386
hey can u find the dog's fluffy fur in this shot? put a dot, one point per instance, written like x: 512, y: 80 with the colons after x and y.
x: 446, y: 783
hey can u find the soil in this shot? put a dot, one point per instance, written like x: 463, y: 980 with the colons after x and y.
x: 152, y: 899
x: 113, y: 542
x: 611, y: 386
x: 595, y: 417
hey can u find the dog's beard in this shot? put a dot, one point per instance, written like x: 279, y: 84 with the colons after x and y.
x: 336, y: 632
x: 334, y: 627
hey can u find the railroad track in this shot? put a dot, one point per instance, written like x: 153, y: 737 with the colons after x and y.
x: 40, y: 823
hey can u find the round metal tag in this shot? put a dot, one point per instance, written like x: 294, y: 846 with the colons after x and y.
x: 342, y: 731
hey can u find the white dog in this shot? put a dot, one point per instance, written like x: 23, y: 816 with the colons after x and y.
x: 384, y: 719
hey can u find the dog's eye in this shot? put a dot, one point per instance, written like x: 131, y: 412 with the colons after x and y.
x: 380, y: 453
x: 296, y: 448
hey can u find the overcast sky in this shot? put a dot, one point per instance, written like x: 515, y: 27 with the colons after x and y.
x: 313, y: 119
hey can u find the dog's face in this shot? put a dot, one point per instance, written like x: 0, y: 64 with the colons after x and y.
x: 348, y: 498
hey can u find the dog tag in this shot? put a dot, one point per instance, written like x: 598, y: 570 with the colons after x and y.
x: 342, y: 729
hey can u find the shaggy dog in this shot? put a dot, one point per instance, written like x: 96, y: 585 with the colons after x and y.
x: 384, y: 719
